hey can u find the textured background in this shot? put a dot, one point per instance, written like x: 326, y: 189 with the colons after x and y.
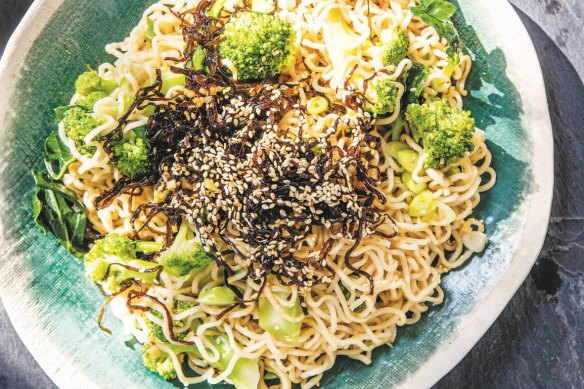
x: 537, y: 341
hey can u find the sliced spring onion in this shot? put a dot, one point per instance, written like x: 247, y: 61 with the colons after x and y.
x: 317, y: 105
x: 276, y: 325
x: 408, y: 159
x: 423, y: 205
x: 413, y: 186
x: 218, y: 296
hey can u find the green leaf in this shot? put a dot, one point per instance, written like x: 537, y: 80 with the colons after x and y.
x: 56, y: 210
x: 58, y: 157
x: 437, y: 13
x: 415, y: 83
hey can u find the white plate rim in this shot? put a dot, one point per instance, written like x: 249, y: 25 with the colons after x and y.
x: 473, y: 325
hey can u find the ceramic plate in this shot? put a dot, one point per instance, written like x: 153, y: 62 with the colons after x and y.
x: 54, y: 308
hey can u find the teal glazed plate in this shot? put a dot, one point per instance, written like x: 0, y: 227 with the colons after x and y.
x: 54, y: 308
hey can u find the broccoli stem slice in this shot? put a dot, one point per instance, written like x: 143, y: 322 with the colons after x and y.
x: 184, y: 233
x: 149, y: 247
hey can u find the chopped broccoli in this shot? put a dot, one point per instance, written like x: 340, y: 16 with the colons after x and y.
x: 156, y: 332
x: 130, y: 155
x: 158, y: 361
x: 217, y: 296
x: 185, y: 255
x: 90, y: 82
x: 278, y: 326
x: 446, y: 131
x: 89, y: 101
x: 382, y: 96
x: 395, y: 47
x: 258, y: 45
x: 113, y: 260
x: 78, y: 123
x: 245, y: 373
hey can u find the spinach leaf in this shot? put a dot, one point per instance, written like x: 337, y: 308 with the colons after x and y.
x: 438, y: 14
x: 58, y: 157
x: 57, y: 211
x: 415, y: 81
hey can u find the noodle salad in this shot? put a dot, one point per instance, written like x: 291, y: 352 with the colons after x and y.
x: 260, y: 187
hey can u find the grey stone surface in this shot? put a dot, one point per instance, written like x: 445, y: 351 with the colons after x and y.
x: 563, y: 22
x: 538, y: 341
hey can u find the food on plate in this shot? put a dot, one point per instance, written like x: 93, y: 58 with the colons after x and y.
x: 261, y: 188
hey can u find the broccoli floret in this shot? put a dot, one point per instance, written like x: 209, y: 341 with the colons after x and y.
x: 130, y: 155
x: 258, y: 45
x: 185, y: 255
x: 113, y: 260
x: 245, y: 373
x: 156, y: 332
x: 446, y: 131
x: 90, y: 100
x: 90, y: 82
x: 395, y: 47
x: 78, y: 123
x: 158, y: 361
x: 382, y: 96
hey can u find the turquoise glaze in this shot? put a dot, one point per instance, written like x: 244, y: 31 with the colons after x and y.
x: 46, y: 293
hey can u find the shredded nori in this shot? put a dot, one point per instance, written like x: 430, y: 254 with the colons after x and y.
x: 183, y: 127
